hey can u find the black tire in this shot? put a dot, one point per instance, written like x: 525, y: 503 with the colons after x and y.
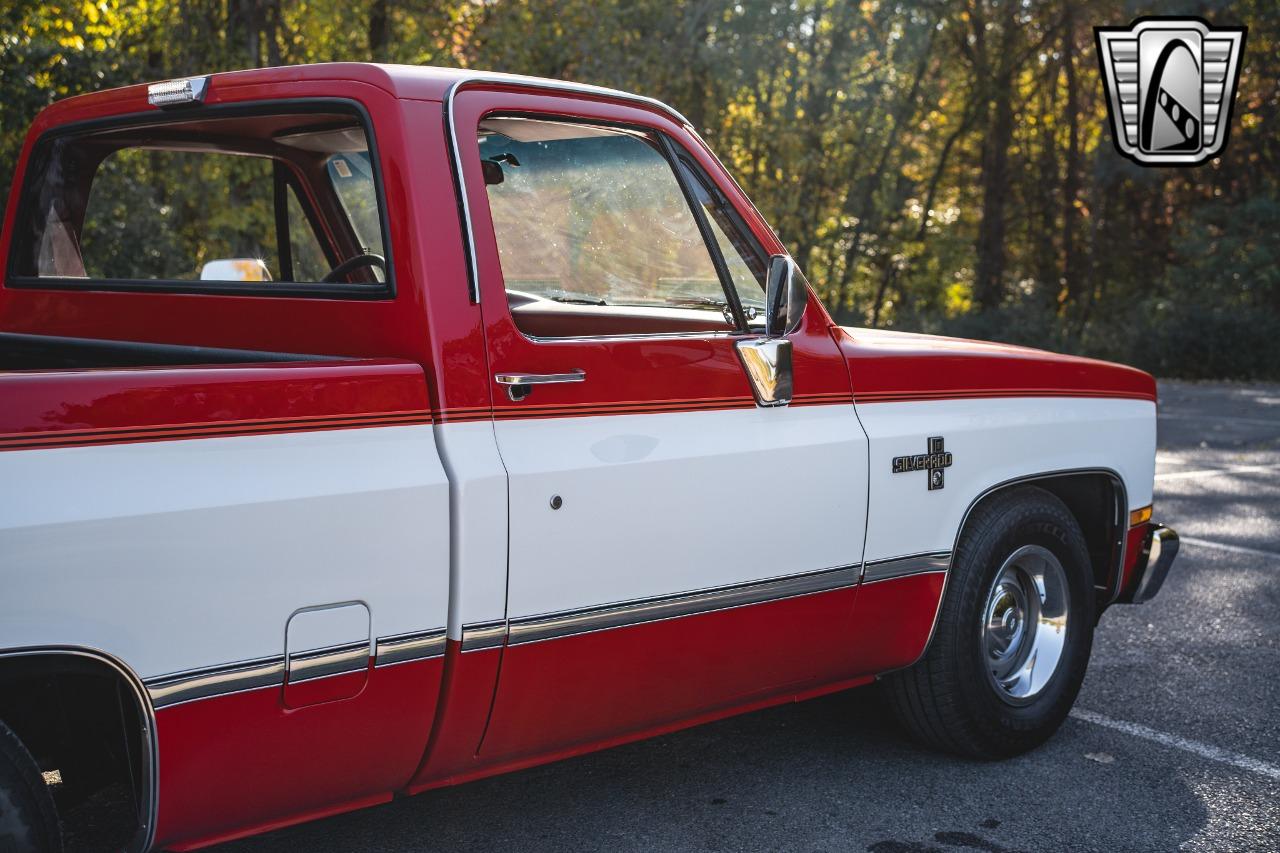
x: 948, y: 700
x: 28, y: 818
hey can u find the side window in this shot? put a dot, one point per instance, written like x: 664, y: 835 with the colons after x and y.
x: 594, y: 233
x: 309, y: 261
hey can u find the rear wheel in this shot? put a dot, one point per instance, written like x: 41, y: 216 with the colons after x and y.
x: 1013, y: 636
x: 28, y: 819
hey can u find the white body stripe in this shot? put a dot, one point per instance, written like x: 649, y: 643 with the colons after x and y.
x: 994, y: 441
x: 175, y: 555
x: 655, y: 504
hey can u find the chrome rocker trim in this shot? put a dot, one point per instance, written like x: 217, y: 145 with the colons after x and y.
x: 901, y: 567
x: 403, y: 648
x: 532, y: 629
x: 484, y: 635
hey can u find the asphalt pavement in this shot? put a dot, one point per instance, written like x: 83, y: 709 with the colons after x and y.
x: 1174, y: 743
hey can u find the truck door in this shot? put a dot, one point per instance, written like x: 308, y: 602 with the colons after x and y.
x: 675, y: 548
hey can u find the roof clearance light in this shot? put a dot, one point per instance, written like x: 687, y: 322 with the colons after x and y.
x: 176, y: 93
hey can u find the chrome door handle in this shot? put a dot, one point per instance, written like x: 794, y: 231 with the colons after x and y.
x: 520, y: 384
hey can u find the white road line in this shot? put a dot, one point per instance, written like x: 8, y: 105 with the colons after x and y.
x: 1209, y: 472
x: 1204, y: 750
x: 1237, y: 549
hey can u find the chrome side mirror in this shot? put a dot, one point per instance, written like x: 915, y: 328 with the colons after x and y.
x: 785, y: 297
x: 767, y: 360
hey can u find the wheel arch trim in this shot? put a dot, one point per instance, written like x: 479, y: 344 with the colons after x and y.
x: 145, y: 835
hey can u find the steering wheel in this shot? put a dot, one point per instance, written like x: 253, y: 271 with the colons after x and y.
x: 367, y: 259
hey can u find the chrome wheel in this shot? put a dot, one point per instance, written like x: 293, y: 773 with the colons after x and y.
x: 1024, y: 623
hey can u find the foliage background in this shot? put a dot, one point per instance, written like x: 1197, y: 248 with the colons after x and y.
x: 933, y: 165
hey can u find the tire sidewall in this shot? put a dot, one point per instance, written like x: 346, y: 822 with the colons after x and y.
x: 1037, y: 519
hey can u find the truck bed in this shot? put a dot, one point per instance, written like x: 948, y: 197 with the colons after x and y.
x: 61, y: 392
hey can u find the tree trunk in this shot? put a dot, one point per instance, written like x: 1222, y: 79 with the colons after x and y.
x: 379, y: 30
x: 989, y: 279
x: 1071, y: 182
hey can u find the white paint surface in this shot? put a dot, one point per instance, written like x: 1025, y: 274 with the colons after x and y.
x: 994, y: 441
x: 656, y: 504
x: 175, y: 555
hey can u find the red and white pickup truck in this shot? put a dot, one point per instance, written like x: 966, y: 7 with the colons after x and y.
x: 370, y: 429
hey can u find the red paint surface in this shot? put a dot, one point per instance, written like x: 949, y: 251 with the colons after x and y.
x: 565, y: 692
x: 452, y: 754
x: 893, y: 621
x: 556, y: 699
x: 179, y: 402
x: 890, y: 367
x: 242, y: 763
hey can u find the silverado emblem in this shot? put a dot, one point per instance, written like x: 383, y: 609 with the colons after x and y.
x: 934, y: 461
x: 1170, y: 85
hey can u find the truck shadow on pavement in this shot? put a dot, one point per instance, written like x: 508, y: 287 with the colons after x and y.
x: 830, y: 774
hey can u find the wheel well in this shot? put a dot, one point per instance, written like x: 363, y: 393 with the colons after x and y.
x: 1097, y: 501
x: 85, y: 722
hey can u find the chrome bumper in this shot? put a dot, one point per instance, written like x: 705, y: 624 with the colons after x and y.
x: 1157, y: 556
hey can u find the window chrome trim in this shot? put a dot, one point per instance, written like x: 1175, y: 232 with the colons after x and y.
x: 404, y: 648
x: 901, y: 567
x: 530, y: 83
x: 150, y: 763
x: 534, y: 629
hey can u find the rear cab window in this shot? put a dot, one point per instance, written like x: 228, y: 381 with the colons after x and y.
x: 266, y: 203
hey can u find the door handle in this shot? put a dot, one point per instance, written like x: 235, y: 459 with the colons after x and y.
x: 519, y: 385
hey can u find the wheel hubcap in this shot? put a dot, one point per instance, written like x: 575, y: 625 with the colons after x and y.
x: 1024, y: 623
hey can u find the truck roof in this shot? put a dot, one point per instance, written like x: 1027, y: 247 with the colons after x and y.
x: 419, y: 82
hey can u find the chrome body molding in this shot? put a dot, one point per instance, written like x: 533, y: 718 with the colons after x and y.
x: 901, y: 567
x: 484, y: 635
x: 150, y: 763
x: 403, y: 648
x: 188, y: 686
x: 537, y: 628
x: 180, y: 687
x: 333, y: 660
